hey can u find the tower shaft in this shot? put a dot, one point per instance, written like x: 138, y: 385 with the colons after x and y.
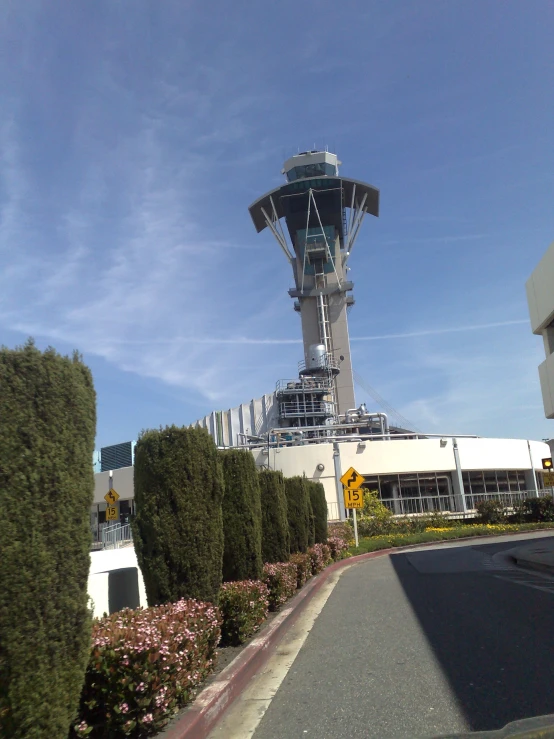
x: 323, y: 214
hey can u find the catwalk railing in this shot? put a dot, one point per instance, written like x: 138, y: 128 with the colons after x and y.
x: 451, y: 505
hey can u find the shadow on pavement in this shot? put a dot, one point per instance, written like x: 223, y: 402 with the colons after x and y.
x: 492, y: 635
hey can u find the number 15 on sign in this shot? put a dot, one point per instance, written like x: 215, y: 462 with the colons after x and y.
x: 353, y: 498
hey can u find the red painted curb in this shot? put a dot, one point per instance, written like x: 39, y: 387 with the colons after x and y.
x: 209, y: 706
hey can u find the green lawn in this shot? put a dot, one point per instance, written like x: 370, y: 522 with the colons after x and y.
x: 374, y: 543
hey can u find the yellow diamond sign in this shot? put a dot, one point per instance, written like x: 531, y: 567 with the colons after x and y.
x: 111, y: 497
x: 352, y: 480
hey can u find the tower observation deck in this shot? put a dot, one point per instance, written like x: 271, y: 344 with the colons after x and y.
x: 323, y: 213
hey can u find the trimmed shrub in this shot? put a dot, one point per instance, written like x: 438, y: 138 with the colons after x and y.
x: 242, y: 517
x: 178, y: 529
x: 303, y: 564
x: 311, y: 519
x: 144, y: 665
x: 381, y: 526
x: 243, y: 607
x: 281, y: 580
x: 319, y: 510
x: 298, y: 512
x: 338, y: 547
x: 275, y: 529
x: 320, y: 556
x: 538, y: 509
x: 47, y: 429
x: 490, y: 511
x: 342, y: 531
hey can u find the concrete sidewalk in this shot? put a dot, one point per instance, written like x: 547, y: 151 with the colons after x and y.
x: 537, y: 556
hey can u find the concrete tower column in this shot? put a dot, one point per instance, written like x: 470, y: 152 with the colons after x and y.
x: 323, y: 214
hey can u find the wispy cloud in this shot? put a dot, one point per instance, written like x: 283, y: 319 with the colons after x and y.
x: 123, y: 262
x: 253, y: 341
x: 129, y: 155
x: 436, y: 331
x: 478, y: 392
x: 447, y: 239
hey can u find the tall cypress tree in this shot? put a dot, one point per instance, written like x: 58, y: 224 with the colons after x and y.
x: 275, y: 529
x: 298, y: 512
x: 178, y: 531
x: 319, y: 510
x: 242, y: 517
x: 47, y: 430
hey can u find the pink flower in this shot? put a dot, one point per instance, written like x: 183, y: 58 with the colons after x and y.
x: 148, y: 718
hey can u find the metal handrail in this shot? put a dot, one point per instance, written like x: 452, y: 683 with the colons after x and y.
x: 449, y: 502
x: 309, y: 408
x: 115, y: 535
x: 305, y: 385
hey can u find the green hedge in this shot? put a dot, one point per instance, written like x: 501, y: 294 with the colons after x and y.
x: 178, y: 530
x: 275, y: 530
x: 303, y: 564
x: 280, y: 578
x: 47, y: 430
x: 298, y: 512
x: 243, y: 607
x: 319, y: 510
x: 242, y: 517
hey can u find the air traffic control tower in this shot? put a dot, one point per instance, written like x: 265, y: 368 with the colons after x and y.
x: 323, y: 213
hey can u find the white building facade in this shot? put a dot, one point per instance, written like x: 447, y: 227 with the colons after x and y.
x: 412, y: 475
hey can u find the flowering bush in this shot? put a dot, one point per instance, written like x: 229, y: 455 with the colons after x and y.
x: 144, y: 665
x: 280, y: 579
x: 303, y: 564
x: 320, y: 556
x: 342, y: 531
x: 338, y: 547
x: 243, y: 606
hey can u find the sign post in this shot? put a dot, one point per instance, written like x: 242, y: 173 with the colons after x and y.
x: 353, y: 496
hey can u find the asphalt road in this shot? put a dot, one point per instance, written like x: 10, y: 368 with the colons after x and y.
x: 419, y: 644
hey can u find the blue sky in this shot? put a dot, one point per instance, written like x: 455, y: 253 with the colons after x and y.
x: 134, y: 135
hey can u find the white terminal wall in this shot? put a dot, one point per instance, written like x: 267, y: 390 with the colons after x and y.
x: 122, y: 484
x: 376, y: 458
x: 404, y: 456
x: 101, y: 564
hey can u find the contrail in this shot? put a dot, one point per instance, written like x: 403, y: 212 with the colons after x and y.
x: 435, y: 331
x: 254, y: 341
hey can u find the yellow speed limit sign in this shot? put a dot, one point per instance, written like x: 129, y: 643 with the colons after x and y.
x: 112, y: 514
x: 353, y: 498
